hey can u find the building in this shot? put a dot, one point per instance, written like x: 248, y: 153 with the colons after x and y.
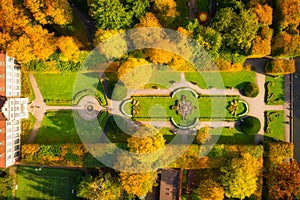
x: 13, y: 108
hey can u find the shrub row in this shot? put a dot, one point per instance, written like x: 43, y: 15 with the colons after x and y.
x: 58, y: 102
x: 53, y: 155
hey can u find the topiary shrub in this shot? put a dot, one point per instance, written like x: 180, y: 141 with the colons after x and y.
x: 251, y: 90
x: 119, y: 93
x: 250, y: 125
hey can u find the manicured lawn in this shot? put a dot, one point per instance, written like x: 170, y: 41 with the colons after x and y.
x: 274, y: 126
x: 57, y: 127
x: 230, y: 79
x: 274, y: 90
x: 203, y: 5
x: 60, y: 86
x: 231, y: 136
x: 48, y: 183
x: 163, y: 79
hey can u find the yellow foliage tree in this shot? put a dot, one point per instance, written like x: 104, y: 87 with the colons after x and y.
x: 159, y: 56
x: 239, y: 176
x: 264, y: 13
x: 138, y: 183
x: 135, y: 72
x: 21, y: 49
x: 261, y: 47
x: 281, y: 66
x: 290, y: 12
x: 210, y: 190
x: 149, y: 20
x: 166, y: 11
x: 69, y: 47
x: 202, y: 135
x: 50, y: 11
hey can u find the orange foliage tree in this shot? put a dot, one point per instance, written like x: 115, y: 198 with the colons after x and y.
x: 264, y: 13
x: 281, y: 66
x: 286, y: 44
x: 50, y: 11
x: 149, y: 20
x: 68, y: 47
x: 284, y: 181
x: 209, y: 189
x: 290, y: 12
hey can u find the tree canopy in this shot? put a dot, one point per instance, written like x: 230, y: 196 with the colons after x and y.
x: 209, y: 189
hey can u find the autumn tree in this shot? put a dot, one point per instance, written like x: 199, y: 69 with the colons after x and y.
x: 261, y: 45
x: 264, y: 14
x: 202, y: 135
x: 138, y: 183
x: 284, y: 181
x: 146, y: 139
x: 209, y: 189
x: 69, y: 48
x: 135, y: 72
x: 159, y: 56
x: 149, y: 20
x: 166, y: 11
x: 290, y: 12
x: 239, y: 176
x: 280, y: 66
x: 50, y: 11
x: 102, y: 187
x: 285, y: 44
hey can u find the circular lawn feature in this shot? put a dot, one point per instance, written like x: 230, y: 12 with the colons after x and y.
x: 251, y: 90
x: 251, y: 125
x: 203, y: 17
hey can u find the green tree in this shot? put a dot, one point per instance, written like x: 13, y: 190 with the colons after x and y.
x: 6, y: 184
x: 251, y: 125
x: 102, y: 187
x: 239, y: 176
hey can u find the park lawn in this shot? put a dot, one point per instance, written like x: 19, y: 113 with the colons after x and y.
x: 203, y: 5
x: 275, y: 128
x: 60, y: 86
x: 57, y: 127
x: 231, y: 136
x: 47, y: 183
x: 163, y: 79
x: 230, y: 79
x: 274, y: 90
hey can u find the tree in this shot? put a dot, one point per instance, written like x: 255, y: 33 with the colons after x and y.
x: 264, y: 14
x: 146, y: 139
x: 116, y: 14
x: 138, y: 183
x: 290, y: 12
x: 238, y: 28
x: 149, y: 20
x: 135, y: 72
x: 251, y: 125
x: 50, y: 11
x: 166, y: 11
x: 209, y: 190
x: 251, y: 90
x: 202, y: 135
x: 239, y: 176
x: 285, y: 44
x: 159, y: 56
x: 280, y: 66
x: 261, y: 45
x: 284, y: 181
x: 110, y: 14
x: 6, y: 184
x: 69, y: 47
x: 102, y: 187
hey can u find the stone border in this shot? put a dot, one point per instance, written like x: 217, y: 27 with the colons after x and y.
x: 247, y: 108
x: 185, y: 88
x: 122, y: 107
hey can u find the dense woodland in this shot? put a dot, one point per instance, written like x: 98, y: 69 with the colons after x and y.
x: 48, y: 36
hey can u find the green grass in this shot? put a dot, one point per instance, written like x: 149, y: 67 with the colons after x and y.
x: 48, y: 183
x: 60, y: 86
x: 230, y: 79
x: 57, y: 127
x: 274, y: 90
x: 274, y: 125
x: 231, y: 136
x: 26, y: 87
x: 163, y: 79
x: 203, y: 5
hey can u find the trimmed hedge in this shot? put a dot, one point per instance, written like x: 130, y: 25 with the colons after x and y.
x: 251, y: 125
x: 251, y: 90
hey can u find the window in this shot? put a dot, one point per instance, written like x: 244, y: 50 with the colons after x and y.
x: 0, y: 142
x: 1, y: 63
x: 1, y: 75
x: 1, y: 88
x: 0, y: 130
x: 0, y: 155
